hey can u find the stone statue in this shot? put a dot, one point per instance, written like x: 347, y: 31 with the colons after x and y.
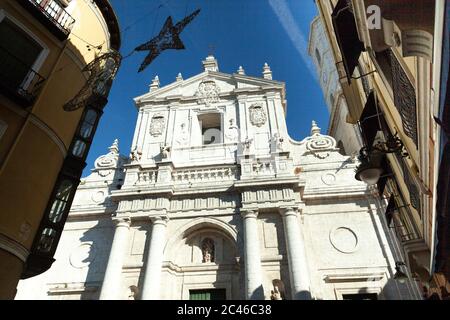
x: 277, y: 142
x: 136, y: 154
x: 165, y: 152
x: 208, y: 250
x: 276, y: 294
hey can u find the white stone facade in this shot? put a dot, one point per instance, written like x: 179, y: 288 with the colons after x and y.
x: 255, y: 214
x: 328, y: 77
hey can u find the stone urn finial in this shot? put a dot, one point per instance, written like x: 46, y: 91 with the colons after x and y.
x: 315, y: 128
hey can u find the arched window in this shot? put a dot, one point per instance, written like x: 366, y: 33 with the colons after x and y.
x: 208, y: 250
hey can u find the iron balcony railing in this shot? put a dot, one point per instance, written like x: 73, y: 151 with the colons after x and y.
x: 17, y: 79
x: 55, y: 12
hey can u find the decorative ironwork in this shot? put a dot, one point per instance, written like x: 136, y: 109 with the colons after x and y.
x: 102, y: 72
x: 17, y: 78
x: 404, y: 98
x: 168, y: 38
x: 414, y: 194
x: 56, y: 14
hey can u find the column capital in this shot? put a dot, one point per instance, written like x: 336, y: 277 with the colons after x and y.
x: 122, y: 221
x: 163, y: 220
x: 249, y: 214
x: 289, y: 211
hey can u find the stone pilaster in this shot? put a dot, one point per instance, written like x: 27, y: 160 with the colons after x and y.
x: 152, y: 277
x: 295, y: 245
x: 112, y: 284
x: 252, y: 258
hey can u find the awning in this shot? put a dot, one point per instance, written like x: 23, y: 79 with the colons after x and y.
x: 443, y: 187
x: 444, y: 108
x: 369, y: 122
x: 347, y: 36
x: 390, y: 210
x: 443, y: 213
x: 387, y: 173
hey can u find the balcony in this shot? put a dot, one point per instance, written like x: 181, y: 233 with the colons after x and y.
x: 18, y: 81
x: 51, y: 14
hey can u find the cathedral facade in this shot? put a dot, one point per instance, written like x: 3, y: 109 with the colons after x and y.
x: 216, y: 201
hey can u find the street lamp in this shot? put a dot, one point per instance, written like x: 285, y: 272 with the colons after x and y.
x: 371, y: 159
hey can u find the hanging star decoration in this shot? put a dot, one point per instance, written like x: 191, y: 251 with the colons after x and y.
x: 168, y: 38
x: 102, y: 71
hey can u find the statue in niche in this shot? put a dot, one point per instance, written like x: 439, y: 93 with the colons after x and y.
x: 132, y: 293
x: 278, y: 290
x: 208, y: 250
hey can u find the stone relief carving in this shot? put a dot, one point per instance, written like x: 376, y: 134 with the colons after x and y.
x: 233, y: 132
x: 208, y: 92
x: 183, y: 138
x: 258, y: 116
x: 157, y: 125
x: 277, y: 142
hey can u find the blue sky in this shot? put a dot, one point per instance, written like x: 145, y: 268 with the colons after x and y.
x: 241, y: 32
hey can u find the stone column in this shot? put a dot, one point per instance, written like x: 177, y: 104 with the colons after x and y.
x: 152, y: 277
x: 295, y: 246
x: 112, y: 284
x: 252, y: 259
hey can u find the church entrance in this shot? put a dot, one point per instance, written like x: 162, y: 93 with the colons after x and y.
x: 209, y: 294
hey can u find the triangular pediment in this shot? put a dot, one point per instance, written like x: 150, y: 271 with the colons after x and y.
x: 219, y: 83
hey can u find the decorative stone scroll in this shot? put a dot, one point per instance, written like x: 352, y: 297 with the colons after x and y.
x: 320, y: 145
x: 105, y: 164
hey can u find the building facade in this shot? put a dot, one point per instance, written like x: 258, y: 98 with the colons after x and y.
x: 47, y: 49
x: 392, y: 58
x: 347, y: 135
x: 216, y: 201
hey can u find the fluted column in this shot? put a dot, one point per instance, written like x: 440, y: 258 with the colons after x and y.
x: 152, y: 276
x: 295, y: 245
x: 112, y: 284
x: 252, y: 259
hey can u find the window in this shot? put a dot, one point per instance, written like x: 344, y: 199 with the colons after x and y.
x: 211, y: 294
x: 211, y: 128
x: 46, y: 240
x: 17, y: 59
x: 85, y: 133
x: 60, y: 202
x: 319, y: 59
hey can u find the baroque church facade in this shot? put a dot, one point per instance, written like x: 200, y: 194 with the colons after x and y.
x: 216, y: 201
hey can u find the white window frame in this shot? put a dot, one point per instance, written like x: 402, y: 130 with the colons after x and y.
x: 42, y: 56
